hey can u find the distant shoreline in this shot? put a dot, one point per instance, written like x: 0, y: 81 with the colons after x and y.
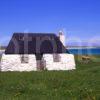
x: 82, y: 47
x: 2, y: 51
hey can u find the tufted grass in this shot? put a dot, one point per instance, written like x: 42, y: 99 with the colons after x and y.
x: 80, y: 84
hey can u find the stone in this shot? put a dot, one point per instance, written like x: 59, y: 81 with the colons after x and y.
x: 67, y: 62
x: 13, y: 63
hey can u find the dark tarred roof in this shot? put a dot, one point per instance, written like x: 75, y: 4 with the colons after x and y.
x: 34, y: 43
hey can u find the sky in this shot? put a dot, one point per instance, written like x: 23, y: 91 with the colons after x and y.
x: 79, y: 19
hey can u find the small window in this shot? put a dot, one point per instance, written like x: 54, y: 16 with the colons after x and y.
x: 24, y: 58
x: 21, y: 38
x: 56, y: 57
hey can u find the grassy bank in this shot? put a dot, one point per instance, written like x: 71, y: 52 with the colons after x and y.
x: 80, y: 84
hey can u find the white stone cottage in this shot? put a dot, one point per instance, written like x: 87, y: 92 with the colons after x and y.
x: 36, y: 51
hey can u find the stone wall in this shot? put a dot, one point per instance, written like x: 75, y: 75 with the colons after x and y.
x: 13, y: 63
x: 67, y: 62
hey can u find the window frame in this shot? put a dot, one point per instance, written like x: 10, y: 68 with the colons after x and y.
x: 56, y: 58
x: 24, y: 59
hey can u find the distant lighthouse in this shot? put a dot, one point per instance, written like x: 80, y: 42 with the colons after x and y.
x: 62, y: 38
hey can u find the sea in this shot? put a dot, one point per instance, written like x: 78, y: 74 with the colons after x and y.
x: 78, y: 51
x: 85, y: 51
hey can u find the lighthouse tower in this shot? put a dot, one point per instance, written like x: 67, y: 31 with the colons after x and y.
x: 62, y: 38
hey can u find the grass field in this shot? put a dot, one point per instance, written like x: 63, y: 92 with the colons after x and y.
x: 80, y: 84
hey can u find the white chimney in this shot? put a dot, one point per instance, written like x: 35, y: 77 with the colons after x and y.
x: 62, y: 37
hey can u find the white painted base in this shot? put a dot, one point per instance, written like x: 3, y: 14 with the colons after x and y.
x: 13, y: 63
x: 67, y: 62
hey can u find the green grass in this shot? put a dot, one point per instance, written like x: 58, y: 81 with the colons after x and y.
x: 80, y: 84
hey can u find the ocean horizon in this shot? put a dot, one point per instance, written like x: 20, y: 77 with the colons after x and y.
x: 85, y: 51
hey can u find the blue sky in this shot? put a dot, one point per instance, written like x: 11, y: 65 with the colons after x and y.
x: 78, y: 18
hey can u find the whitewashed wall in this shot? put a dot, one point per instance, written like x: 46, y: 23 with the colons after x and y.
x: 13, y: 63
x: 67, y: 62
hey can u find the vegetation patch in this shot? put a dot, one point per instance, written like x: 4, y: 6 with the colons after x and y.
x: 80, y: 84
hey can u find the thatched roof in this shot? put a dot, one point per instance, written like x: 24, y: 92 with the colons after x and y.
x: 34, y: 43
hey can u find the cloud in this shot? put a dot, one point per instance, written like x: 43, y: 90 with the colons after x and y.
x: 76, y: 41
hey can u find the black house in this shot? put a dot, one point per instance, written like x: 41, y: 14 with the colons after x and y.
x: 35, y: 43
